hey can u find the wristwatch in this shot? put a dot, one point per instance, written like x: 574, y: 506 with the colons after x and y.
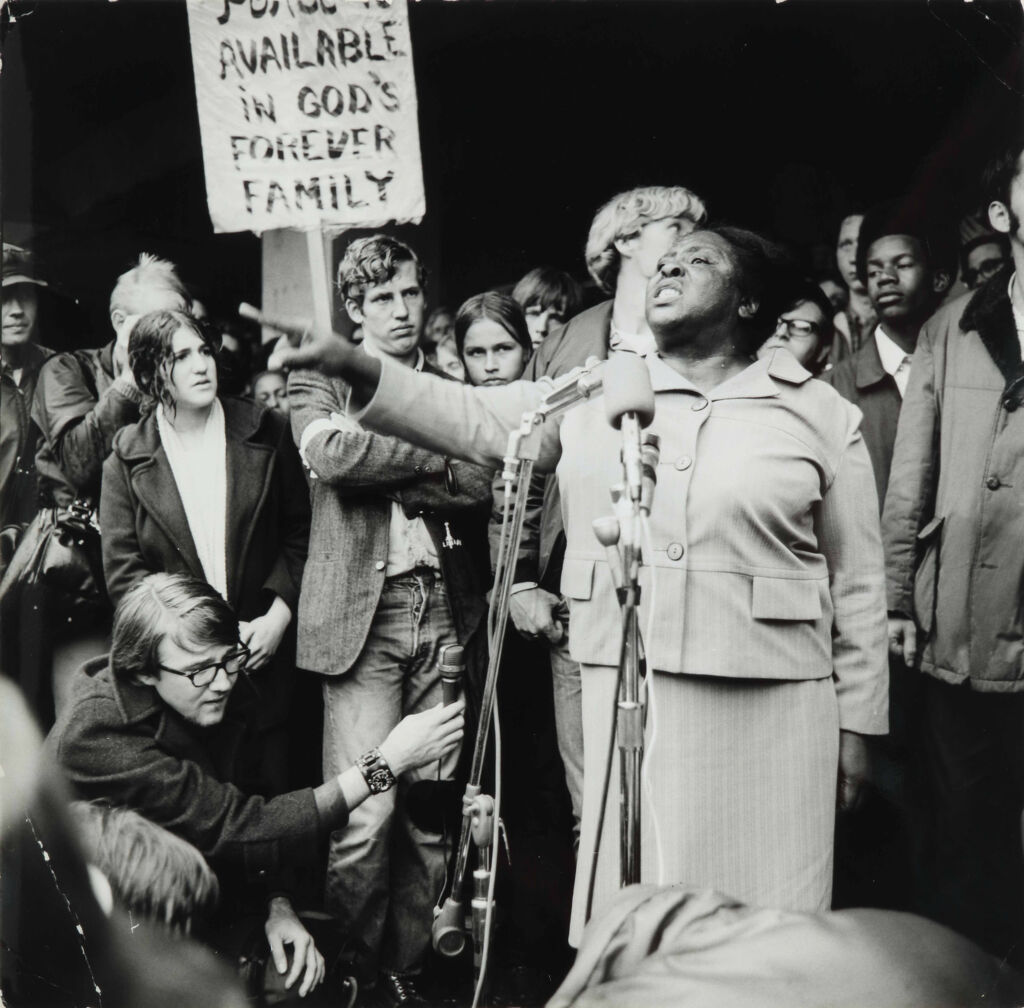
x: 375, y: 771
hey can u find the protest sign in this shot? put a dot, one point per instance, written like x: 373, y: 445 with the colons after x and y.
x: 307, y: 110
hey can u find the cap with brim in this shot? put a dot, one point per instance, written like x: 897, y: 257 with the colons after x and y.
x: 18, y: 267
x: 20, y: 278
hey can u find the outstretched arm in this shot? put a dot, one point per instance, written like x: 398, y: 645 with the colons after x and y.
x: 441, y: 415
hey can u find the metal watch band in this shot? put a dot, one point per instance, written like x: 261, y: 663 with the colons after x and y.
x: 375, y: 771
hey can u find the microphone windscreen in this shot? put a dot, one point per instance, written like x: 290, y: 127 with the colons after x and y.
x: 452, y: 659
x: 627, y: 389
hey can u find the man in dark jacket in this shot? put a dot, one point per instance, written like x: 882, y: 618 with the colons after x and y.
x: 906, y: 262
x: 389, y: 582
x: 83, y: 398
x: 21, y: 358
x: 148, y: 729
x: 953, y: 528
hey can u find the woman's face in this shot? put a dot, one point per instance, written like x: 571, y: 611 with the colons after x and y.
x: 694, y: 284
x: 492, y: 356
x: 193, y: 377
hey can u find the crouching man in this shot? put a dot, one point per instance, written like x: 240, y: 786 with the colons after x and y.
x: 147, y: 729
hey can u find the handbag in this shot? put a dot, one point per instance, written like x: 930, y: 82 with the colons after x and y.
x: 58, y: 567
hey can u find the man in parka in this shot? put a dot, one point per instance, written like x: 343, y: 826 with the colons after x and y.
x: 953, y: 526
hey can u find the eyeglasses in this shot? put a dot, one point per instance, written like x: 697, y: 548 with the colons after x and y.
x: 202, y: 677
x: 795, y: 328
x: 987, y: 269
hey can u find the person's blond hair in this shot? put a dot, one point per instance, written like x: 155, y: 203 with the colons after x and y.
x: 149, y: 273
x: 624, y: 215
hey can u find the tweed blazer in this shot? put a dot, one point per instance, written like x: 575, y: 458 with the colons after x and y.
x: 359, y: 474
x: 862, y: 380
x: 765, y: 532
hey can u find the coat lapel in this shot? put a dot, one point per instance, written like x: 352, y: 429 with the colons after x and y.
x: 990, y: 315
x: 154, y: 486
x: 250, y: 467
x: 868, y: 365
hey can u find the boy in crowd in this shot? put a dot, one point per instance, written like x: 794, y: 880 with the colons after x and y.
x: 388, y: 585
x: 906, y: 261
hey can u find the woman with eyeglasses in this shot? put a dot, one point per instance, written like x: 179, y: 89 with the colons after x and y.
x: 804, y: 329
x: 149, y: 728
x: 211, y: 486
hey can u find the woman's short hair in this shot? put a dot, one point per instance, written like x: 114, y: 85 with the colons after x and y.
x: 371, y: 261
x: 766, y: 275
x: 624, y: 215
x: 151, y: 350
x: 549, y: 288
x: 149, y: 273
x: 156, y: 876
x: 498, y: 308
x: 179, y: 606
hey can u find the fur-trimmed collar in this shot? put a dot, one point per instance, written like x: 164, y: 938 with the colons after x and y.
x: 990, y: 314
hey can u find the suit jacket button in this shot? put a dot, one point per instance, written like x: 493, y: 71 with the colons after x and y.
x: 379, y: 565
x: 675, y: 551
x: 993, y: 483
x: 683, y: 462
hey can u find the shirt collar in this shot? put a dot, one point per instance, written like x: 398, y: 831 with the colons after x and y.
x: 757, y: 381
x: 372, y: 351
x: 891, y: 354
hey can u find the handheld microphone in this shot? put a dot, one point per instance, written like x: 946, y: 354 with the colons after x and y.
x: 452, y: 665
x: 629, y: 406
x: 607, y: 531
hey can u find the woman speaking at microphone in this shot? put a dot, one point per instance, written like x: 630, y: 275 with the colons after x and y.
x: 768, y: 645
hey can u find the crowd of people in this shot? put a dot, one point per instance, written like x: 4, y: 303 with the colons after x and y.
x: 231, y: 576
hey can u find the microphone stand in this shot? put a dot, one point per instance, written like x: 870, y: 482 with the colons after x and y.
x: 629, y: 726
x: 620, y: 536
x: 449, y: 929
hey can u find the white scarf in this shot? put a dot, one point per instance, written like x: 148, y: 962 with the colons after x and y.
x: 201, y: 474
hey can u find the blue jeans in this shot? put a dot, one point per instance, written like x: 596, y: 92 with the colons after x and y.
x: 385, y: 873
x: 568, y: 694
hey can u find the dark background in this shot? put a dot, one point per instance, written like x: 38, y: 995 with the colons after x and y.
x: 781, y: 115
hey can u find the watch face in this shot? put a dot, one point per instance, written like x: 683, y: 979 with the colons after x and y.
x: 379, y: 780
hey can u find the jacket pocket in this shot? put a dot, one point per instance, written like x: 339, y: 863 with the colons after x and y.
x: 926, y: 577
x: 785, y: 599
x: 577, y: 578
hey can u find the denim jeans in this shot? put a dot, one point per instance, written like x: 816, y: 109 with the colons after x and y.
x: 384, y: 872
x: 565, y: 683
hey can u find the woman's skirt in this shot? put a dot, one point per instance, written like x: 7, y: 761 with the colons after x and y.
x: 742, y: 790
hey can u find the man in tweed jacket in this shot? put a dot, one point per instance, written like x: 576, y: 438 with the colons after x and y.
x: 389, y: 583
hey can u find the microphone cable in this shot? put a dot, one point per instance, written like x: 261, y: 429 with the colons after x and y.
x: 652, y: 706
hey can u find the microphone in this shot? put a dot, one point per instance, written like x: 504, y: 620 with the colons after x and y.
x: 629, y: 406
x: 452, y: 665
x: 650, y: 455
x: 607, y: 531
x: 448, y: 932
x: 577, y: 385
